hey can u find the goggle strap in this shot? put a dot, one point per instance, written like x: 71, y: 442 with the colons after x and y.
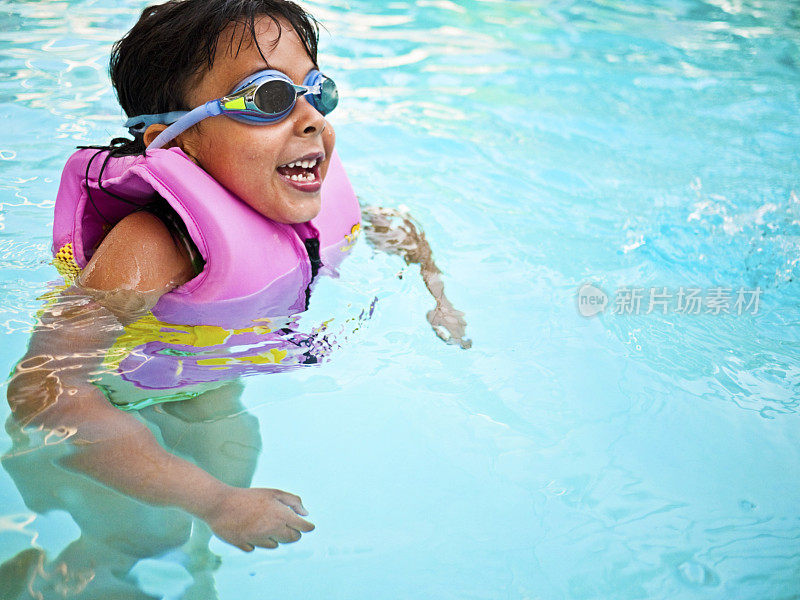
x: 140, y: 123
x: 314, y: 90
x: 209, y: 109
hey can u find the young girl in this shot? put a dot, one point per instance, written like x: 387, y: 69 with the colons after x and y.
x: 228, y: 91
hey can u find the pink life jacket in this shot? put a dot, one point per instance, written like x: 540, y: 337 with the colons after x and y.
x: 254, y: 267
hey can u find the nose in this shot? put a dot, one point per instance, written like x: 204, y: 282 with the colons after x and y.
x: 308, y: 121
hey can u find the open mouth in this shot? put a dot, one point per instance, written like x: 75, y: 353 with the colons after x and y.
x: 303, y: 173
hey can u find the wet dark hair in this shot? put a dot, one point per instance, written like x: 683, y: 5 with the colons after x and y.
x: 154, y: 64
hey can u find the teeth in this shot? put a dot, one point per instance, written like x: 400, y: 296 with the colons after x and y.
x: 304, y: 177
x: 306, y: 164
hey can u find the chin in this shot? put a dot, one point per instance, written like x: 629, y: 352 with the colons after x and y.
x: 297, y: 214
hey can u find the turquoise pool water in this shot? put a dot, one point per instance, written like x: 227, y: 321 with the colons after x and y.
x: 542, y: 146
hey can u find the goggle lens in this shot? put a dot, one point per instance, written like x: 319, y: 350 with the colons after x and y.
x: 277, y: 97
x: 274, y: 97
x: 328, y: 97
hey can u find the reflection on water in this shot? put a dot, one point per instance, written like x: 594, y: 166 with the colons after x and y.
x: 157, y: 482
x: 212, y: 430
x: 161, y: 479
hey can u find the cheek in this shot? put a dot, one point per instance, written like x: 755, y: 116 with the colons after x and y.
x: 240, y: 157
x: 223, y: 136
x: 328, y: 143
x: 328, y: 138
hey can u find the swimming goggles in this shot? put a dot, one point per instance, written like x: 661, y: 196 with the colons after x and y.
x: 263, y: 98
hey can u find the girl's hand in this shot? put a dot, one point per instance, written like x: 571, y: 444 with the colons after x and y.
x: 259, y: 517
x: 449, y: 324
x: 395, y: 232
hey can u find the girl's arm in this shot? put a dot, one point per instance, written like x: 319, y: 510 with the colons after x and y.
x: 395, y: 232
x: 51, y: 389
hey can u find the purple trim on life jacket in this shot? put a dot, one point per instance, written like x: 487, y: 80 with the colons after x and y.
x: 254, y: 266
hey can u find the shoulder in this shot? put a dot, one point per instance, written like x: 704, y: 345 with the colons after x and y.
x: 139, y: 253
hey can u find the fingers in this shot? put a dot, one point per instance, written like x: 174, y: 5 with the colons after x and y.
x: 449, y: 326
x: 300, y: 524
x: 283, y: 535
x: 291, y: 501
x: 287, y: 535
x: 441, y: 332
x: 276, y: 520
x: 450, y: 337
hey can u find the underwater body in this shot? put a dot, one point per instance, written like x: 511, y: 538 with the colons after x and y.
x: 562, y: 158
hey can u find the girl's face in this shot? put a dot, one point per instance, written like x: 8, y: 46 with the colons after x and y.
x: 245, y: 157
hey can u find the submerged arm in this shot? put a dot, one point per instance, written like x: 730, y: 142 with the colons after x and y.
x: 51, y: 389
x: 394, y: 232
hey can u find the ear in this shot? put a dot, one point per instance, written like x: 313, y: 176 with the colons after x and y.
x: 152, y: 132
